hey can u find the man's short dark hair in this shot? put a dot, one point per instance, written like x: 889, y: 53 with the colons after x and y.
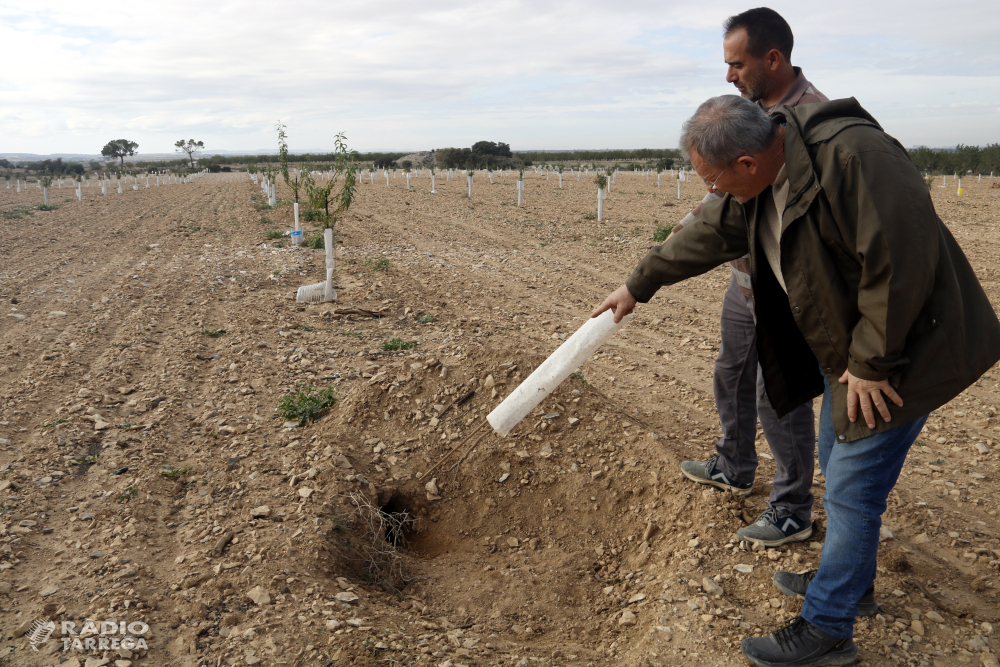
x: 766, y: 30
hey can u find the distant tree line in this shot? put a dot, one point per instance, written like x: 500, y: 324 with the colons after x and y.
x: 615, y: 155
x: 496, y: 155
x: 482, y: 155
x: 317, y: 161
x: 56, y: 168
x: 961, y: 159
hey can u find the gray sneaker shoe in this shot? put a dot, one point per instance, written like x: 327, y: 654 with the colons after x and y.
x: 797, y: 584
x: 776, y: 526
x: 706, y: 472
x: 799, y: 644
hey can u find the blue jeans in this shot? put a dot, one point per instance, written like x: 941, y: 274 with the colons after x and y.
x: 859, y: 476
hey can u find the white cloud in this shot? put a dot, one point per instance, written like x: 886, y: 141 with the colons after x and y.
x: 401, y: 75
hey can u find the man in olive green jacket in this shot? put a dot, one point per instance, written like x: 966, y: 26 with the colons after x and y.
x: 862, y: 295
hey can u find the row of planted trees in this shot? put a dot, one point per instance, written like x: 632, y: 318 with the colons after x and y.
x: 45, y: 181
x: 327, y: 203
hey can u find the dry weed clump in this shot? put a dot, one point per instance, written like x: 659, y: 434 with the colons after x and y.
x: 371, y: 537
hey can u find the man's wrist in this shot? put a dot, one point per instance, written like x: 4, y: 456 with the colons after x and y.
x: 640, y: 288
x: 864, y: 372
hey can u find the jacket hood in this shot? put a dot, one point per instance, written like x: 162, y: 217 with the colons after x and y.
x: 806, y: 125
x: 817, y: 123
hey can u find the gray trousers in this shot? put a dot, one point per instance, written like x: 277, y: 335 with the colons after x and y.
x: 740, y: 399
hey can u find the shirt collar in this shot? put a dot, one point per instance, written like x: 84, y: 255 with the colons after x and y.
x: 781, y: 178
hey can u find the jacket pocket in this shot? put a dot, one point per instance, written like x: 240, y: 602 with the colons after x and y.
x: 929, y: 350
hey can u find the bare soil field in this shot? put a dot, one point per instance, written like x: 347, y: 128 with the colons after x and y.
x: 145, y: 476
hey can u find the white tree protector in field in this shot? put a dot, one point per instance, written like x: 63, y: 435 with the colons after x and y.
x: 104, y: 188
x: 273, y: 199
x: 559, y: 366
x: 577, y: 177
x: 407, y: 180
x: 321, y: 292
x: 298, y: 238
x: 678, y: 186
x: 490, y: 175
x: 119, y: 185
x: 979, y: 181
x: 470, y: 184
x: 433, y: 191
x: 18, y: 185
x: 386, y: 178
x: 147, y: 181
x: 520, y: 191
x: 560, y: 180
x: 45, y: 196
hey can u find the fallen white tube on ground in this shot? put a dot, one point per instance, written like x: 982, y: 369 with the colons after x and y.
x: 560, y: 364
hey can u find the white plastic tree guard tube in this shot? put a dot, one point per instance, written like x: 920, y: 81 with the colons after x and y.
x: 520, y: 191
x: 321, y: 292
x: 560, y: 364
x: 433, y: 191
x: 470, y: 184
x: 298, y: 237
x: 600, y: 204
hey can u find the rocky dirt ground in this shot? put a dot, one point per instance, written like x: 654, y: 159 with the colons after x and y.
x: 145, y: 476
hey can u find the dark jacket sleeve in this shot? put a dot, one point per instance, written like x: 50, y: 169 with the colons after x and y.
x: 716, y: 235
x: 884, y: 205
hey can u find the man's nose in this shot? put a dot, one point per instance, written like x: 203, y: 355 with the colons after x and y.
x: 731, y: 76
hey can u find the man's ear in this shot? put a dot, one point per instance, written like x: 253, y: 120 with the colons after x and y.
x: 749, y: 164
x: 773, y: 59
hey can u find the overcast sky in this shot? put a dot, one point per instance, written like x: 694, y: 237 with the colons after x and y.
x: 412, y: 75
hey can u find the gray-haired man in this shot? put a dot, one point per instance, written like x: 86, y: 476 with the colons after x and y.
x: 861, y: 294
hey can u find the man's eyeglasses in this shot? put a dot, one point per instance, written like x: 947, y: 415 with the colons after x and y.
x: 711, y: 186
